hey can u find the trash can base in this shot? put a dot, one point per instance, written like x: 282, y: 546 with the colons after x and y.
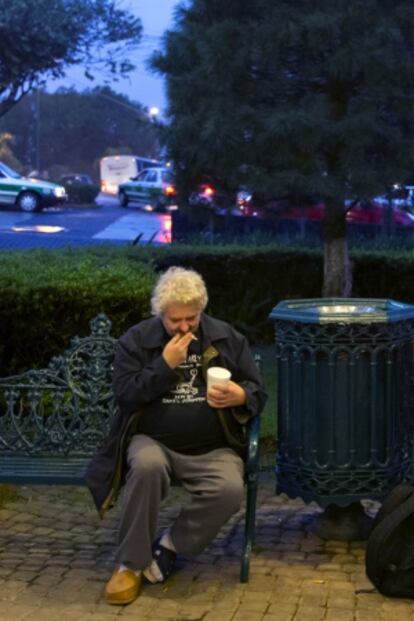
x: 349, y: 523
x: 339, y: 485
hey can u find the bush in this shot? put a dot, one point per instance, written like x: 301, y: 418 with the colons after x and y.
x: 384, y: 274
x: 245, y: 282
x: 49, y: 297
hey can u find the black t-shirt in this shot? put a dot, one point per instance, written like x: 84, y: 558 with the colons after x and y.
x: 182, y: 419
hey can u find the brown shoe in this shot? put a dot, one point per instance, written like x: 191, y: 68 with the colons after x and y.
x: 123, y: 587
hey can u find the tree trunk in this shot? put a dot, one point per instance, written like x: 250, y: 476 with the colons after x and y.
x: 337, y: 274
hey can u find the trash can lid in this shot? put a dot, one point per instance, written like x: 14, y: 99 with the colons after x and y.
x: 342, y: 310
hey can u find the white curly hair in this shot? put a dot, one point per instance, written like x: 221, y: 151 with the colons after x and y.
x: 180, y: 286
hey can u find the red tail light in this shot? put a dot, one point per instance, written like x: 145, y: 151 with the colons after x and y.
x: 208, y: 190
x: 170, y: 190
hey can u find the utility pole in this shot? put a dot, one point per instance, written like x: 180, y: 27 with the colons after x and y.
x: 37, y: 107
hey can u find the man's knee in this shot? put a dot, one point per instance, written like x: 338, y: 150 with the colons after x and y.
x: 146, y: 461
x: 230, y: 492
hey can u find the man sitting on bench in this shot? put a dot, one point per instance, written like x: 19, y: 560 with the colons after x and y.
x: 169, y: 430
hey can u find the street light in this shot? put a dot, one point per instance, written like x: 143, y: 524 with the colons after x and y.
x: 153, y: 112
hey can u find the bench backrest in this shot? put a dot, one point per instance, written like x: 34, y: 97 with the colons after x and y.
x: 65, y: 408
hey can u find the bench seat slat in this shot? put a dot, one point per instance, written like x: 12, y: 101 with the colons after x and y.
x: 43, y: 470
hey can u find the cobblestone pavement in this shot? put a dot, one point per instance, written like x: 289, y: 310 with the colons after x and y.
x: 56, y: 555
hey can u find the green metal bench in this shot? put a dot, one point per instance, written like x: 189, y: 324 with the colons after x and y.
x: 52, y: 421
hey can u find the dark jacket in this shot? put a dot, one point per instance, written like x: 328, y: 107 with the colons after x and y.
x: 141, y: 375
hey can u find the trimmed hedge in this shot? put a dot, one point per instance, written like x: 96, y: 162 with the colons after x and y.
x: 245, y: 282
x: 49, y: 296
x: 384, y: 274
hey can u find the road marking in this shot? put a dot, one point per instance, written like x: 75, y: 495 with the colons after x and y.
x: 8, y: 220
x: 156, y: 228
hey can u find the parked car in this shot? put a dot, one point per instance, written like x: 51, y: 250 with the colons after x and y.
x: 152, y: 188
x: 401, y: 195
x: 245, y: 205
x: 373, y: 212
x: 28, y: 195
x: 313, y: 209
x: 77, y: 179
x: 203, y: 196
x: 360, y: 212
x: 211, y: 196
x: 80, y: 188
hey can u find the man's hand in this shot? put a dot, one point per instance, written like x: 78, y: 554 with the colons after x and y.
x: 226, y: 396
x: 175, y: 351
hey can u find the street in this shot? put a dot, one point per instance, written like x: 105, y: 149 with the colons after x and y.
x: 75, y: 226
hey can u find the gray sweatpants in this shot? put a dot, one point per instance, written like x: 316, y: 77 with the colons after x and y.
x: 214, y: 480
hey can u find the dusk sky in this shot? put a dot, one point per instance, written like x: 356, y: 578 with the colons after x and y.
x: 141, y: 86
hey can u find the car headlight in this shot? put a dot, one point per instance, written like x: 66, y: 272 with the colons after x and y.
x: 59, y: 192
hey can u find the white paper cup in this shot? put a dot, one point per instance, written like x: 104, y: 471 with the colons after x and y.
x: 217, y: 375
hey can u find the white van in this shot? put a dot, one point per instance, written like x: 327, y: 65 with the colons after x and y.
x: 116, y: 169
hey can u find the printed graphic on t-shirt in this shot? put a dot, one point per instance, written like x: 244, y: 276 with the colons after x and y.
x: 192, y: 388
x: 181, y: 419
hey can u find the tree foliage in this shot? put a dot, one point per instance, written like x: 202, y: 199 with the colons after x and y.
x: 6, y: 151
x: 42, y: 38
x: 308, y: 97
x: 71, y: 131
x: 304, y: 98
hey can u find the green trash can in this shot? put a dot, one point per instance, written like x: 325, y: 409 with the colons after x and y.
x: 345, y: 398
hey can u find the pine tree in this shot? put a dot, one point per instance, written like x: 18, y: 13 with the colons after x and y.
x: 305, y: 98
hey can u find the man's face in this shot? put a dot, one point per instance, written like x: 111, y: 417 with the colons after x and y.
x: 181, y: 318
